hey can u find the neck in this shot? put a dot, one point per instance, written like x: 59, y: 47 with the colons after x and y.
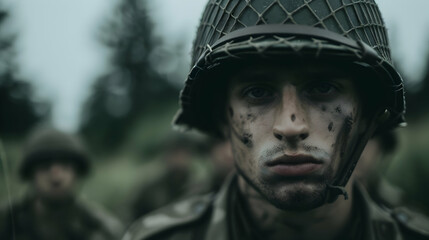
x: 326, y: 222
x: 47, y: 207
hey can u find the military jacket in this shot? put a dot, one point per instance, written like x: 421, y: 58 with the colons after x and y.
x: 78, y: 220
x: 211, y: 217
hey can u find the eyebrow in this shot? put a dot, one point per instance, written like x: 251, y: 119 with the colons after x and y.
x: 251, y: 75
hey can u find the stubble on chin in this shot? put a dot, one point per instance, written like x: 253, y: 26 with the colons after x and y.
x: 296, y: 196
x: 287, y: 194
x: 293, y: 193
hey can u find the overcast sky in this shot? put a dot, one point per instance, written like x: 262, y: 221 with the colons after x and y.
x: 61, y: 56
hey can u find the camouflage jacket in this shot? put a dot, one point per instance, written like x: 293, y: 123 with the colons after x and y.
x: 79, y: 220
x: 210, y: 217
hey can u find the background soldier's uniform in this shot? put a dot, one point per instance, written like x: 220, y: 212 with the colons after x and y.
x: 213, y: 217
x: 78, y: 220
x: 67, y: 219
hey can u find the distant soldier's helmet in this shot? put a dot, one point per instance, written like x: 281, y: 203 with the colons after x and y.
x: 50, y: 145
x: 234, y: 30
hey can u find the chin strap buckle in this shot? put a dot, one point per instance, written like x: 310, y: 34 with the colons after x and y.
x: 337, y: 190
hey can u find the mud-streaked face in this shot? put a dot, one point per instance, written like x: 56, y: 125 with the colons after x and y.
x: 289, y: 128
x: 55, y: 181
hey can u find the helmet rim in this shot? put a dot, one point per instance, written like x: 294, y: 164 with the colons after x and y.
x: 289, y: 40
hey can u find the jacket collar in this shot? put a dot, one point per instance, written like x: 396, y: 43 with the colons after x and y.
x: 379, y: 224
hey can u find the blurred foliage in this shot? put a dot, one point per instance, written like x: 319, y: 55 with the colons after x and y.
x: 131, y: 87
x: 18, y: 110
x: 409, y: 168
x: 417, y: 95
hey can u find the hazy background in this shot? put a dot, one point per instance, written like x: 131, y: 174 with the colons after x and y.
x: 75, y: 64
x: 58, y: 47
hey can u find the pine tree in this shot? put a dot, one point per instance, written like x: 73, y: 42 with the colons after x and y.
x: 131, y: 86
x: 18, y: 112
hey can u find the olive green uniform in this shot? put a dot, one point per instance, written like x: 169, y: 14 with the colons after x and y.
x: 219, y: 217
x: 78, y: 220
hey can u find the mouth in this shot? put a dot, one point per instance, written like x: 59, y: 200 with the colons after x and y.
x: 294, y: 165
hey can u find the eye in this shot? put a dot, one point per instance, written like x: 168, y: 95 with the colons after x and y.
x: 44, y: 165
x: 258, y: 94
x: 322, y: 90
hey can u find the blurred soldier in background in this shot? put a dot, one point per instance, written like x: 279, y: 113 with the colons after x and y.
x: 376, y: 157
x: 222, y: 162
x: 177, y: 179
x: 298, y: 87
x: 53, y: 165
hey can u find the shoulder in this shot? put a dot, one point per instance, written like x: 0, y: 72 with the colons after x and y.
x: 13, y: 212
x: 393, y: 223
x: 181, y: 215
x: 5, y: 213
x: 14, y: 206
x: 412, y: 223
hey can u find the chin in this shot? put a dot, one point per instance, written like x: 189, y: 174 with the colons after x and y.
x: 296, y: 197
x: 57, y: 197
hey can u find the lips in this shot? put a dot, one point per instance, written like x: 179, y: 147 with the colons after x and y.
x: 294, y: 166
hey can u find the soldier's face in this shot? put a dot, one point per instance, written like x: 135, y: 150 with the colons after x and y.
x: 55, y: 180
x: 289, y: 128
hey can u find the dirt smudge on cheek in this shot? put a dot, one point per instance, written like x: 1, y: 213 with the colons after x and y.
x: 242, y: 121
x: 338, y: 109
x: 238, y: 130
x: 331, y: 125
x: 251, y: 117
x: 245, y: 137
x: 293, y: 117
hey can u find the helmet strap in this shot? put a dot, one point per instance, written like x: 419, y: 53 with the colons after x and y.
x: 337, y: 187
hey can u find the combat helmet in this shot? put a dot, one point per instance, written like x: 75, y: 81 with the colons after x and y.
x: 230, y: 30
x: 47, y: 144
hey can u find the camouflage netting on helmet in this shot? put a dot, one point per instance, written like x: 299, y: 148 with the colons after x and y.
x: 355, y: 19
x: 329, y: 30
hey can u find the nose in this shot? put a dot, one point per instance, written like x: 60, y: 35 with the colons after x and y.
x: 290, y: 120
x: 56, y: 169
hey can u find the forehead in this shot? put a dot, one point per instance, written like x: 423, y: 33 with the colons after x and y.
x: 274, y: 71
x: 48, y: 162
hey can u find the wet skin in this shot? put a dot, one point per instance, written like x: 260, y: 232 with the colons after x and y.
x: 290, y: 128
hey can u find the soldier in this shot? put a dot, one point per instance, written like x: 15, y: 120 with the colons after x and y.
x: 298, y: 87
x: 180, y: 153
x: 53, y: 165
x: 176, y: 162
x: 375, y: 157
